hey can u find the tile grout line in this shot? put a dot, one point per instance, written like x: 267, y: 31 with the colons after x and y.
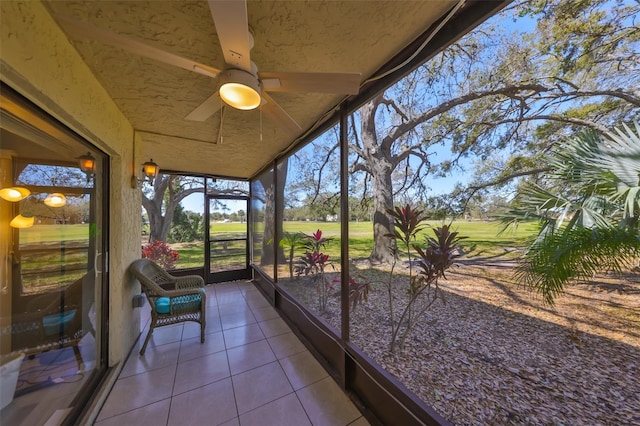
x: 226, y: 352
x: 175, y: 376
x: 294, y: 391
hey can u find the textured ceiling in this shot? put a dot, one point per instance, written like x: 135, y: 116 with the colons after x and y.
x: 290, y: 36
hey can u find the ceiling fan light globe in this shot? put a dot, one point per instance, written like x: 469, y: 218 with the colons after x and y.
x: 240, y: 89
x: 15, y: 193
x: 22, y: 221
x: 55, y: 200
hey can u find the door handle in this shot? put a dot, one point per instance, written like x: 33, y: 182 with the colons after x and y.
x: 95, y: 263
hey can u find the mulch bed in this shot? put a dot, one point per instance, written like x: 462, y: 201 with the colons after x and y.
x: 494, y: 354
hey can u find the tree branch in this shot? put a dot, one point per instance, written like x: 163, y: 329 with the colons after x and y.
x: 359, y: 167
x: 473, y: 189
x: 318, y: 181
x: 634, y: 100
x: 598, y: 127
x: 391, y: 103
x: 510, y: 91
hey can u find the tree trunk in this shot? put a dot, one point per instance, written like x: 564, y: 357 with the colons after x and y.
x: 154, y: 213
x: 155, y: 228
x: 160, y: 224
x: 378, y: 159
x: 382, y: 223
x: 164, y: 222
x: 274, y: 207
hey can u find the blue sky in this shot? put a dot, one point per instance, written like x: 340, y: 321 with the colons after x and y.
x: 195, y: 203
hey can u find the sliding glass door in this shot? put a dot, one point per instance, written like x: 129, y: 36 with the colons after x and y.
x: 53, y: 204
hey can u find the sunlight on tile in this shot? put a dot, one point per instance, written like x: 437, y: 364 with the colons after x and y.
x: 303, y: 369
x: 326, y: 404
x: 250, y: 370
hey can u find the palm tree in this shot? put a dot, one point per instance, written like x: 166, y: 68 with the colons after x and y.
x: 588, y: 211
x: 292, y: 240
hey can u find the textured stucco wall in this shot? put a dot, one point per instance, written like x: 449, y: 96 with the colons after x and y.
x: 37, y: 60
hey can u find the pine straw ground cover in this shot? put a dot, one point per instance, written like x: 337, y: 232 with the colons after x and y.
x: 494, y: 354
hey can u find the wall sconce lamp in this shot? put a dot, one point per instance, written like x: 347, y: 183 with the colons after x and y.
x: 55, y: 200
x: 14, y: 193
x: 88, y: 165
x: 150, y: 171
x: 22, y: 221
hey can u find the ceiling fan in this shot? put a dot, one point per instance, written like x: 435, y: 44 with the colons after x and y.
x: 240, y: 84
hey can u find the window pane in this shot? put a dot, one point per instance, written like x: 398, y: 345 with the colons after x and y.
x: 227, y: 234
x: 179, y: 200
x: 309, y: 240
x: 262, y: 222
x: 54, y: 252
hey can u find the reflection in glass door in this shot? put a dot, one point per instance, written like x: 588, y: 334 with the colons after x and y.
x: 53, y: 238
x: 227, y: 248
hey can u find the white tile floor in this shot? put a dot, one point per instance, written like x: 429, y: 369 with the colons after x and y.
x: 251, y: 370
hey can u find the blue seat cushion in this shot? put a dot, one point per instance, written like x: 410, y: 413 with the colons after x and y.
x: 163, y: 304
x: 54, y: 324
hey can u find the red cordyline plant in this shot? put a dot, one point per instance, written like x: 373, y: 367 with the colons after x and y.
x: 161, y: 253
x: 358, y: 291
x: 407, y: 225
x: 316, y: 241
x: 314, y: 263
x: 432, y: 262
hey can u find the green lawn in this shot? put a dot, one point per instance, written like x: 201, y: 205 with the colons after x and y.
x: 54, y: 233
x: 52, y: 255
x: 191, y: 256
x: 483, y: 238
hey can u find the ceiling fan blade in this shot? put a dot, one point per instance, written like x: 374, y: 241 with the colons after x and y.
x: 206, y: 109
x: 88, y: 31
x: 277, y: 114
x: 232, y: 27
x: 344, y: 83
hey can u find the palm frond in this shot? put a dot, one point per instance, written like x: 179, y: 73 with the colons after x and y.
x: 561, y: 258
x: 589, y: 213
x: 621, y: 156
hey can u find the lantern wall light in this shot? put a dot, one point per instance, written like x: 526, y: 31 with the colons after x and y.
x: 150, y: 171
x: 88, y: 165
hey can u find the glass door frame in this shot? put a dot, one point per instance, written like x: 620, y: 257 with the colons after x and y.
x: 212, y: 277
x: 19, y: 111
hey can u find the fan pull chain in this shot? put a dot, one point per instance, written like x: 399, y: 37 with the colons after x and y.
x: 222, y: 111
x: 260, y: 123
